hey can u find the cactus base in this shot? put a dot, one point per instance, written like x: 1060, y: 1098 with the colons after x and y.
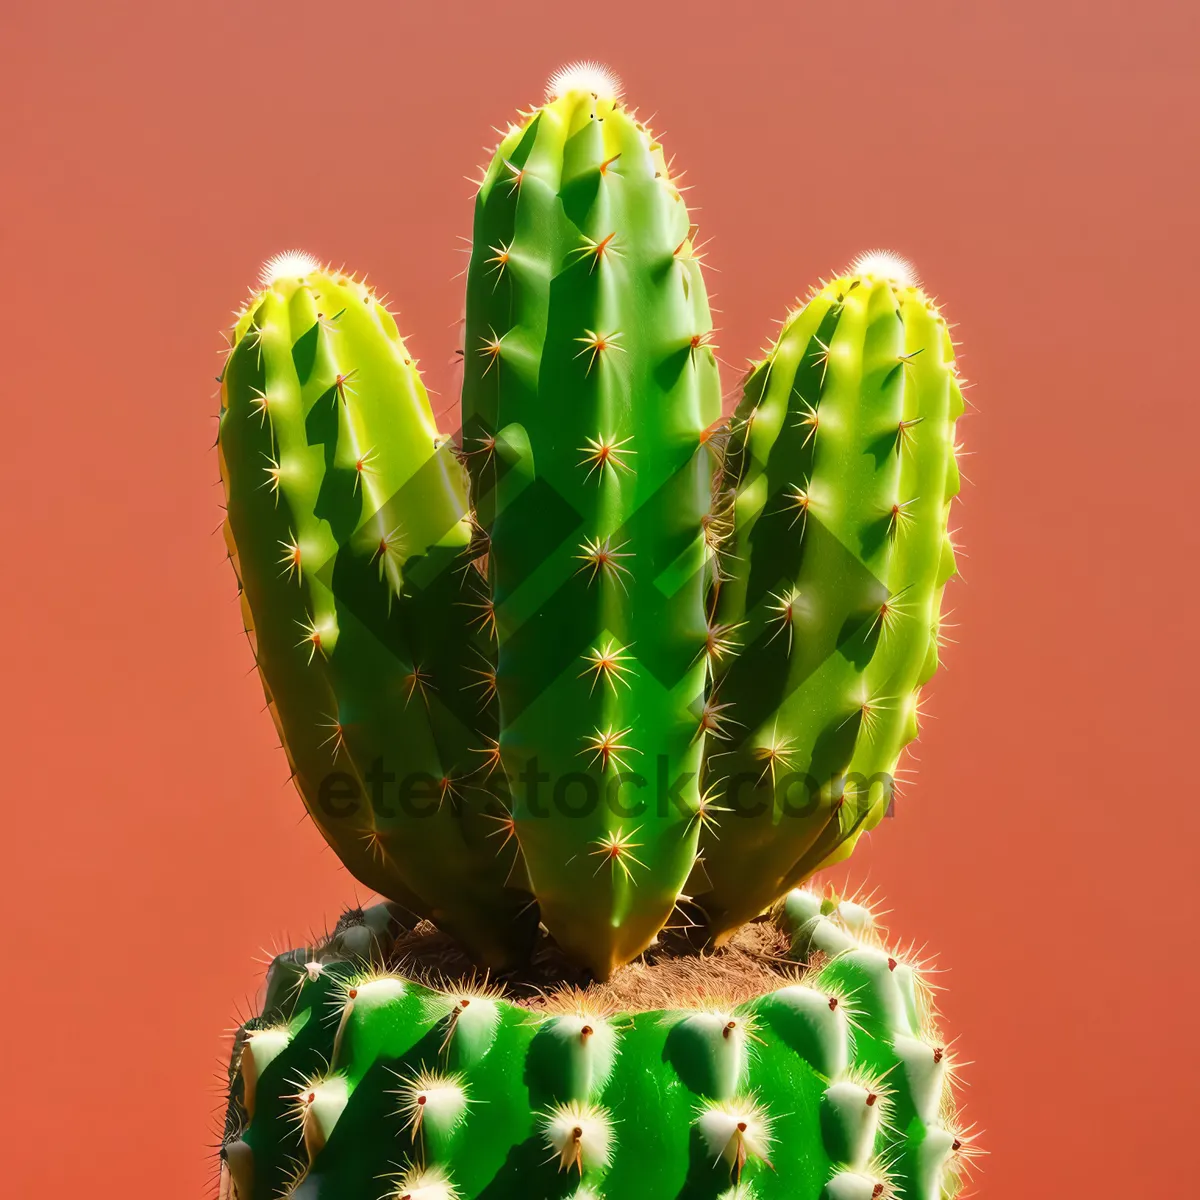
x: 801, y: 1060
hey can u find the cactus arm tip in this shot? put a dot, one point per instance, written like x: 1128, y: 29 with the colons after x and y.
x: 885, y: 264
x: 289, y: 264
x: 583, y: 76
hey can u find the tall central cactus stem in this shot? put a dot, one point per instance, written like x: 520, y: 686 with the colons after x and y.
x: 589, y: 387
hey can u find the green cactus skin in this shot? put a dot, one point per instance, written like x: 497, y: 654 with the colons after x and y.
x: 358, y: 1084
x: 588, y: 393
x: 842, y: 458
x: 347, y: 525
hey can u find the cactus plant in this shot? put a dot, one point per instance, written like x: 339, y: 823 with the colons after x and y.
x: 826, y: 1081
x: 842, y: 469
x: 561, y: 670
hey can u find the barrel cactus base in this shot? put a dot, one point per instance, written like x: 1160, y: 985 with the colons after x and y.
x: 802, y: 1060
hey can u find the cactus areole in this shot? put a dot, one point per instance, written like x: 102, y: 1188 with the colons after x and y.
x: 603, y: 663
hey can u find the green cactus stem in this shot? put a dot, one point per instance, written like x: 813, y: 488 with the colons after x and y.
x: 842, y: 469
x: 590, y: 386
x: 347, y: 526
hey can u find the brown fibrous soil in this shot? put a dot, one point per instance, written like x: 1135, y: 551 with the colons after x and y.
x: 672, y: 975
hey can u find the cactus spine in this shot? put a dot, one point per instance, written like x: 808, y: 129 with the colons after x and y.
x: 842, y: 467
x: 347, y: 526
x: 589, y: 388
x: 833, y: 1084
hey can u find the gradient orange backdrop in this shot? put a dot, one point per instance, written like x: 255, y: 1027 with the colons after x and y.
x: 1038, y: 161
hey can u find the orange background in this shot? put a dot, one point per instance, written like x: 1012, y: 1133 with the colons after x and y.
x: 1038, y: 162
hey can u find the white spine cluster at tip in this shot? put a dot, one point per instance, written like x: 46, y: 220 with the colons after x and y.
x: 857, y: 917
x: 884, y: 264
x: 374, y: 990
x: 262, y: 1047
x: 591, y: 1043
x: 291, y: 264
x: 734, y: 1131
x: 320, y: 1103
x: 580, y: 1135
x: 424, y: 1183
x: 724, y: 1036
x: 439, y: 1099
x: 855, y: 1185
x: 584, y: 76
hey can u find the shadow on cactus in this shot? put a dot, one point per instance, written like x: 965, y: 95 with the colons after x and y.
x: 606, y: 664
